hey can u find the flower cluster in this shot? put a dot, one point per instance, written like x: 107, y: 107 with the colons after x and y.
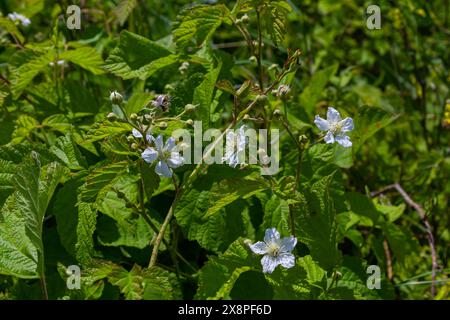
x: 335, y: 127
x: 276, y: 251
x: 20, y: 18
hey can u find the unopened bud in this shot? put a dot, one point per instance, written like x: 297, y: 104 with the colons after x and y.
x: 189, y: 122
x: 245, y: 19
x: 133, y: 116
x: 111, y: 116
x: 277, y: 113
x: 115, y: 97
x: 163, y: 125
x: 189, y: 108
x: 134, y: 146
x: 246, y: 117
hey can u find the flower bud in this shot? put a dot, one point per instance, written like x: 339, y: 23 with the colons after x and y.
x: 115, y: 97
x: 111, y: 116
x: 130, y: 138
x: 134, y: 146
x: 189, y: 108
x: 163, y: 125
x: 189, y: 122
x: 277, y: 113
x: 283, y: 90
x: 133, y: 116
x: 245, y: 19
x: 246, y: 117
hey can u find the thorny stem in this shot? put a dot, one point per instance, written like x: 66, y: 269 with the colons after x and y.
x: 423, y: 217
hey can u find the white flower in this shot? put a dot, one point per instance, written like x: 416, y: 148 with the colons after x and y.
x: 335, y: 127
x: 165, y: 154
x: 136, y: 133
x: 19, y: 17
x: 275, y: 250
x: 235, y: 144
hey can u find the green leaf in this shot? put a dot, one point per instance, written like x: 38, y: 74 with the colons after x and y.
x: 137, y: 102
x: 87, y: 220
x: 199, y: 23
x: 368, y: 122
x: 125, y: 228
x: 22, y: 216
x: 99, y: 178
x: 67, y: 151
x: 274, y: 16
x: 130, y: 283
x: 106, y: 129
x: 218, y: 276
x: 276, y: 214
x: 313, y: 92
x: 30, y: 68
x: 362, y: 206
x: 123, y: 10
x: 137, y: 57
x: 65, y: 211
x: 200, y: 212
x: 86, y: 57
x: 25, y: 126
x: 160, y: 284
x: 203, y: 95
x: 11, y: 28
x: 316, y: 225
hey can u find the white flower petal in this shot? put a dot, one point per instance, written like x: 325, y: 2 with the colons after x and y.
x: 321, y: 123
x: 343, y: 140
x: 333, y: 115
x: 159, y: 143
x: 271, y: 235
x: 259, y: 247
x: 287, y: 260
x: 136, y: 133
x: 163, y: 169
x: 170, y: 144
x: 288, y: 244
x: 269, y: 263
x: 149, y: 138
x: 329, y: 138
x: 149, y: 155
x: 175, y: 160
x: 346, y: 124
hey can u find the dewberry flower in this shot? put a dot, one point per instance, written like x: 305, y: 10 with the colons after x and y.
x: 19, y: 17
x: 235, y: 144
x: 136, y: 133
x: 276, y: 251
x: 335, y: 127
x: 167, y: 158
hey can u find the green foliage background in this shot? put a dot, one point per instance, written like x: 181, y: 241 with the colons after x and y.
x: 73, y: 192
